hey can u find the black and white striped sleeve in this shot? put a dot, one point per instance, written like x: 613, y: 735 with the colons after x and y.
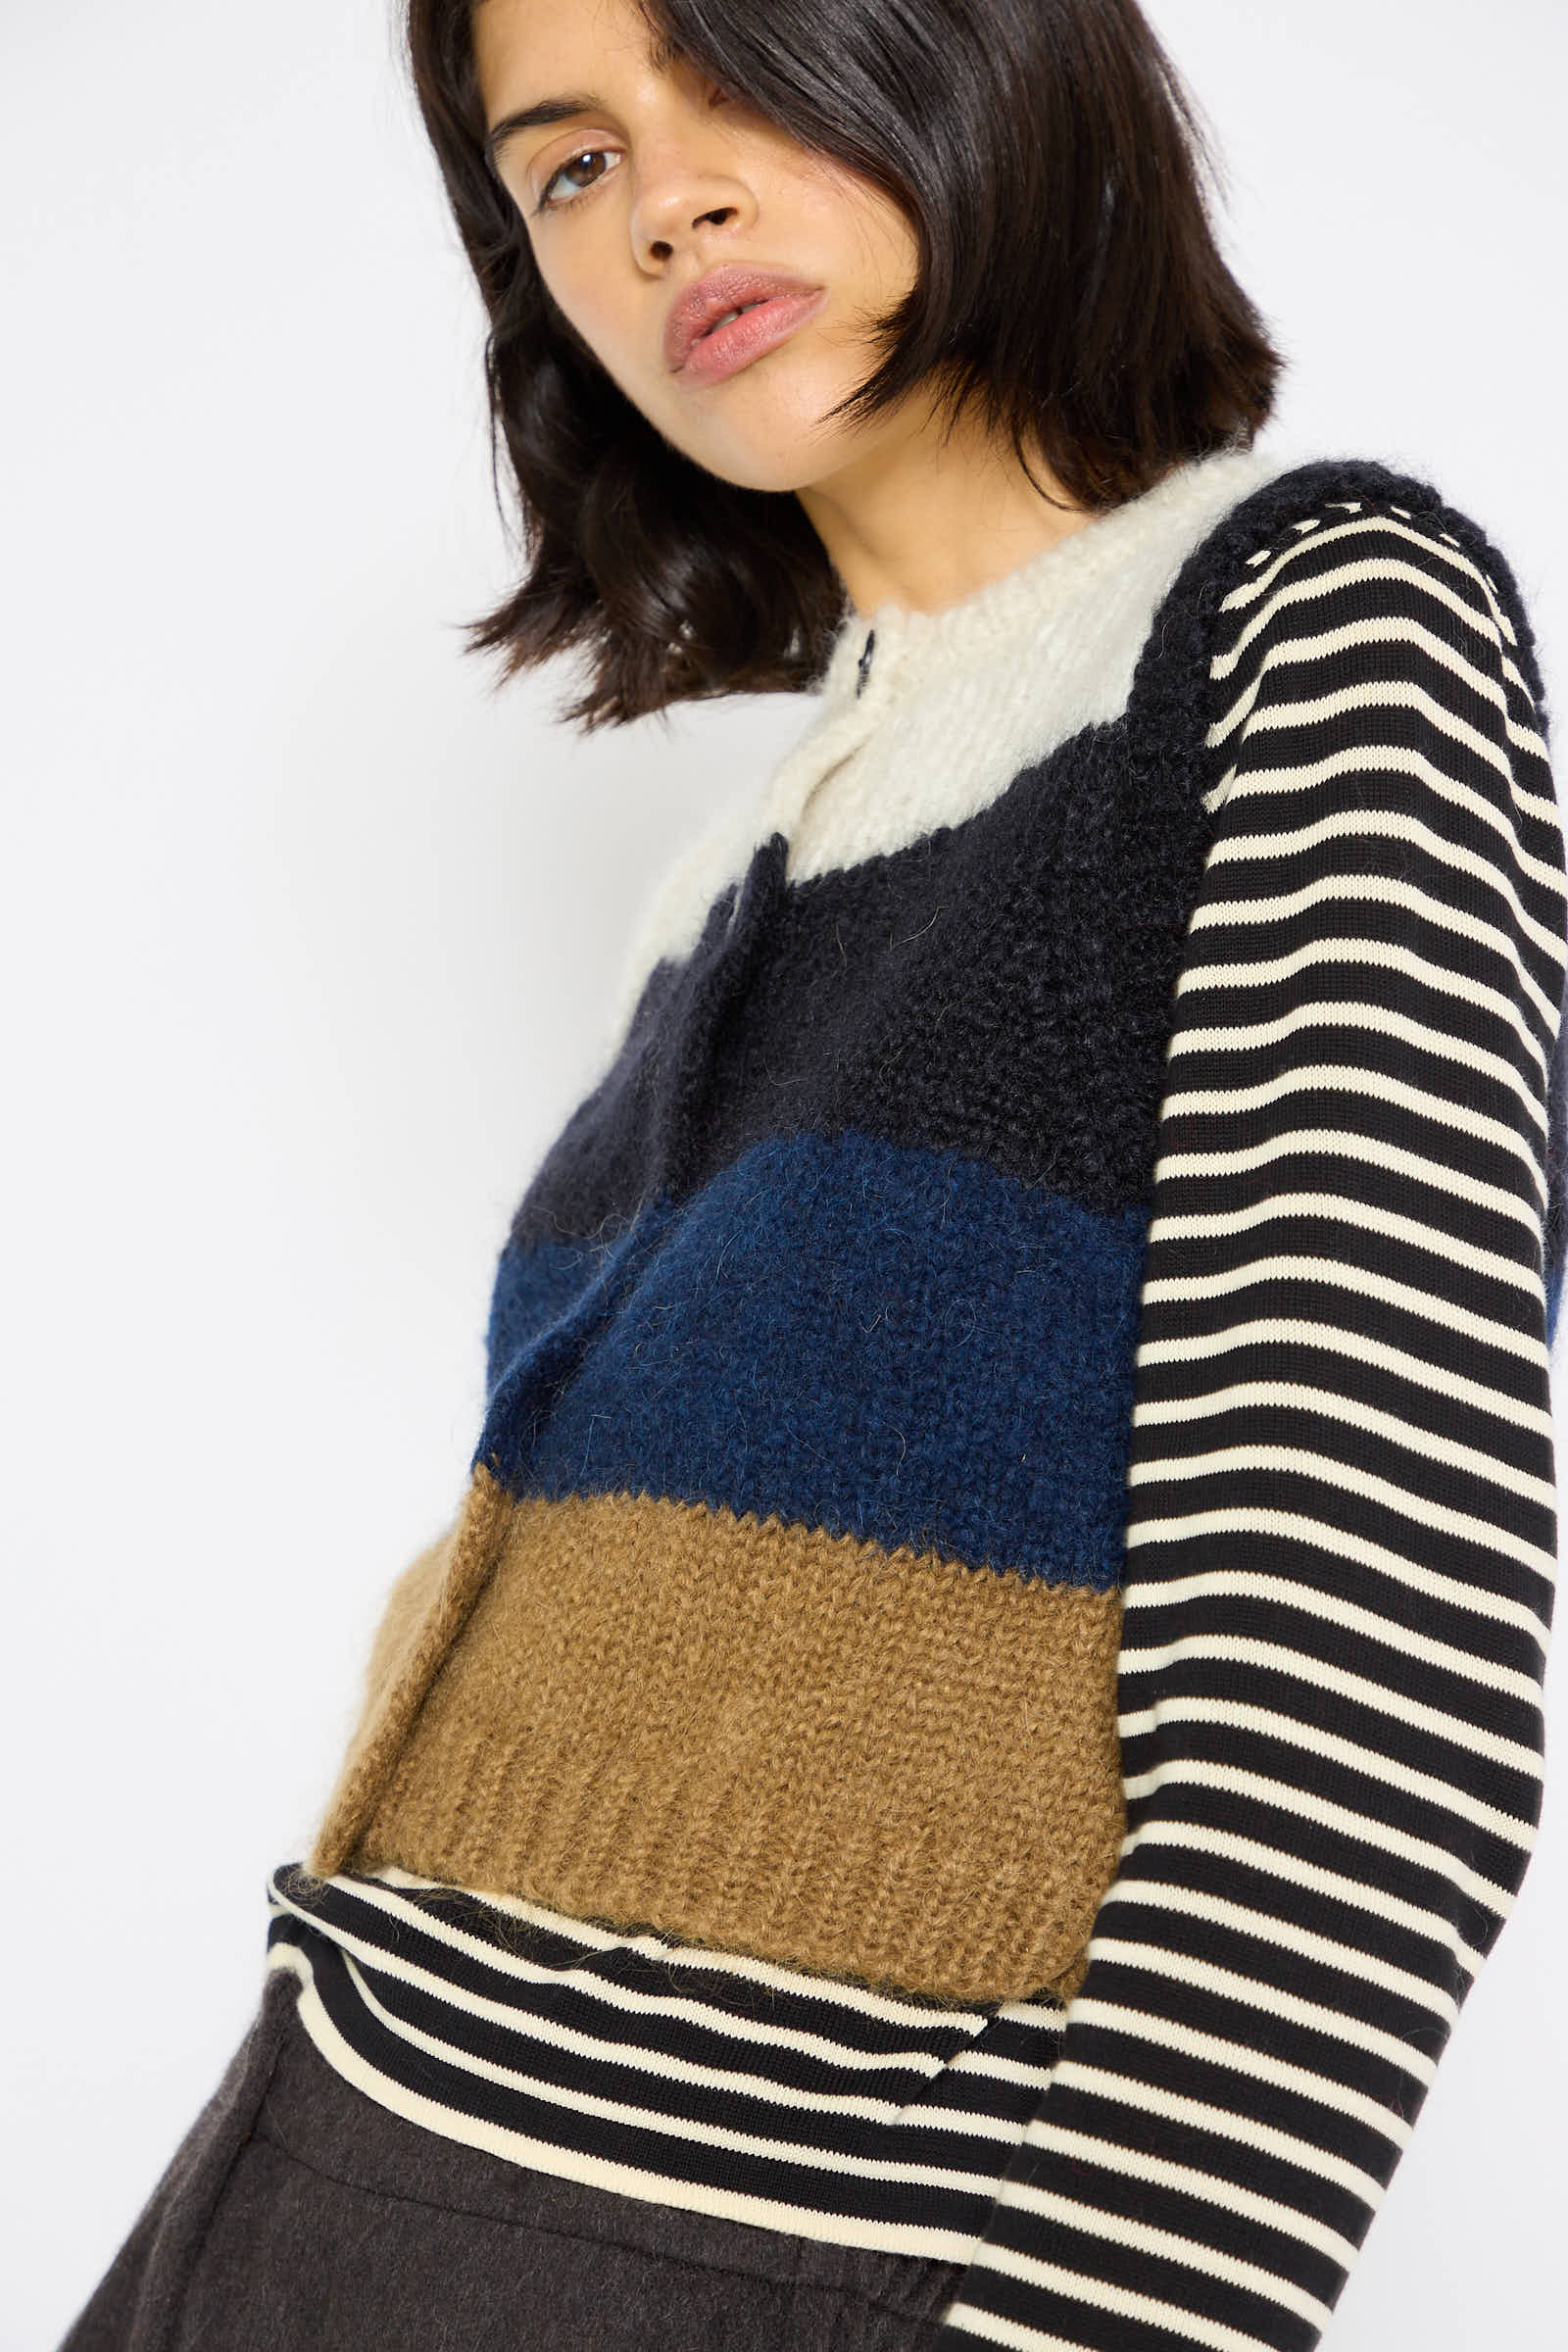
x: 1342, y: 1498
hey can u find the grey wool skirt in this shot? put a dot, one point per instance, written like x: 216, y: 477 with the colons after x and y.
x: 297, y: 2215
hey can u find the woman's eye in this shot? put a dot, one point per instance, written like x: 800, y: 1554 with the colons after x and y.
x: 555, y: 204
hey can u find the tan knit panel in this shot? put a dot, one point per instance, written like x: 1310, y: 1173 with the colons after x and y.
x: 418, y: 1623
x: 885, y: 1766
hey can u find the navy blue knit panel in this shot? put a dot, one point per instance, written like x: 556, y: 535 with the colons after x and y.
x: 876, y: 1340
x: 1342, y: 1533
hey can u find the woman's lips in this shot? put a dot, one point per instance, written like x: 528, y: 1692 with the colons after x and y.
x: 723, y: 349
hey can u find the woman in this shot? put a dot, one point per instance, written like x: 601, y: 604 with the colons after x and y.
x: 981, y: 1708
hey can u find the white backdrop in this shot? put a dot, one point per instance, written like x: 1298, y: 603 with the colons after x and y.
x: 307, y: 932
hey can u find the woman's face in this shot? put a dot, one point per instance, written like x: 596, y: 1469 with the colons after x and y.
x: 662, y: 177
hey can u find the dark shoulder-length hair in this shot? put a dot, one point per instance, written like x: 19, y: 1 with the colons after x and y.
x: 1051, y: 163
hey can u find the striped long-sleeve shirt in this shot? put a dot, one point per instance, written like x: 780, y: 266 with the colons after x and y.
x: 1341, y: 1530
x: 984, y: 1696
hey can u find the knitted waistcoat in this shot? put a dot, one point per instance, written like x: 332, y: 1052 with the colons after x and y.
x: 1029, y: 1362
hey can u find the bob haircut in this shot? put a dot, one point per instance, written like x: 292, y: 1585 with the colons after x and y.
x: 1048, y: 160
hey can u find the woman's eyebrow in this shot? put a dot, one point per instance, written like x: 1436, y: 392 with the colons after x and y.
x: 533, y: 117
x: 546, y: 110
